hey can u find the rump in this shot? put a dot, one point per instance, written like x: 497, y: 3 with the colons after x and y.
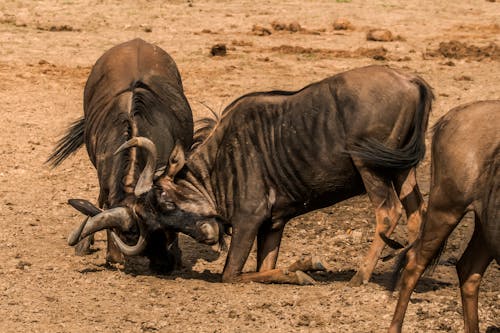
x: 378, y: 156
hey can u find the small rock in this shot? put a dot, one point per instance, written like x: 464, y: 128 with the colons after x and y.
x: 294, y: 27
x: 22, y: 264
x: 278, y: 26
x: 260, y: 31
x: 463, y: 78
x: 342, y: 24
x: 218, y: 50
x: 146, y: 28
x: 379, y: 35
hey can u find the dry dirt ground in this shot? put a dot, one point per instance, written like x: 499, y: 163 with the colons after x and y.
x: 46, y: 51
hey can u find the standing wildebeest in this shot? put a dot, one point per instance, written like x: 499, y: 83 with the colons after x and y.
x: 465, y: 177
x: 134, y: 89
x: 277, y: 155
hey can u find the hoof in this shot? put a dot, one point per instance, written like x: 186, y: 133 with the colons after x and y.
x: 357, y: 280
x: 304, y: 279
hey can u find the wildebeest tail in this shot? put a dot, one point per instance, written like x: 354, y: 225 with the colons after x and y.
x: 376, y: 155
x: 68, y: 144
x: 402, y: 260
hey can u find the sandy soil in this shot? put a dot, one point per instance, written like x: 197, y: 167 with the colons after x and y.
x: 46, y: 51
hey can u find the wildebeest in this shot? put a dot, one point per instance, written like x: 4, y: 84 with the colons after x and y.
x: 276, y: 155
x: 134, y: 89
x: 465, y: 177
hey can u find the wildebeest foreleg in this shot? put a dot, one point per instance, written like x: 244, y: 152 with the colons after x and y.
x: 440, y: 223
x: 470, y: 269
x: 387, y: 213
x: 241, y: 244
x: 268, y: 246
x: 409, y: 193
x: 113, y: 253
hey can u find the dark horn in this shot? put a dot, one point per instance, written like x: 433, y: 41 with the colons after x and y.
x: 113, y: 218
x: 74, y: 237
x: 145, y: 181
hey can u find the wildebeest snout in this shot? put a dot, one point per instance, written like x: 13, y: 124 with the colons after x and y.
x: 209, y: 231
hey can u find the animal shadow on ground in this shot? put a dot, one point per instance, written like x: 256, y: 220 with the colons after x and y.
x: 382, y: 279
x: 138, y: 265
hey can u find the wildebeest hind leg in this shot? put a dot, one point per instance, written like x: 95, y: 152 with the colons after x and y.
x: 470, y: 269
x: 387, y: 213
x: 409, y: 193
x: 440, y: 222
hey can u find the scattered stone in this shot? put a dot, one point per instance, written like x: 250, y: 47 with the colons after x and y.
x: 379, y: 35
x: 146, y: 28
x: 241, y: 43
x: 292, y: 27
x: 463, y: 78
x: 278, y: 26
x: 260, y: 31
x: 218, y: 50
x: 342, y: 24
x: 22, y: 264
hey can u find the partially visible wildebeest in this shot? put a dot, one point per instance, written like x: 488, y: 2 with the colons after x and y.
x: 134, y: 90
x: 465, y: 177
x: 277, y: 155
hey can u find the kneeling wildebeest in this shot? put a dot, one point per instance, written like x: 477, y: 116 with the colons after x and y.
x: 465, y: 177
x: 134, y: 89
x: 276, y: 155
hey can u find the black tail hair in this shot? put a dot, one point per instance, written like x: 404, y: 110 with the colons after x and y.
x: 68, y: 144
x: 376, y: 155
x: 399, y: 266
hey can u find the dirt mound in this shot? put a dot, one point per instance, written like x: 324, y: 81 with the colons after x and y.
x: 458, y: 50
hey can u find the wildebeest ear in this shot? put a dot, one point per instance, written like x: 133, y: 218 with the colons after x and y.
x: 176, y: 160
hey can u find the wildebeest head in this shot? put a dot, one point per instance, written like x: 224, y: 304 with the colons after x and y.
x: 160, y: 203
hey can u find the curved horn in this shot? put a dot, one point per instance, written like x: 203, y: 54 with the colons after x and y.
x: 145, y: 181
x: 113, y: 218
x: 134, y: 249
x: 74, y: 237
